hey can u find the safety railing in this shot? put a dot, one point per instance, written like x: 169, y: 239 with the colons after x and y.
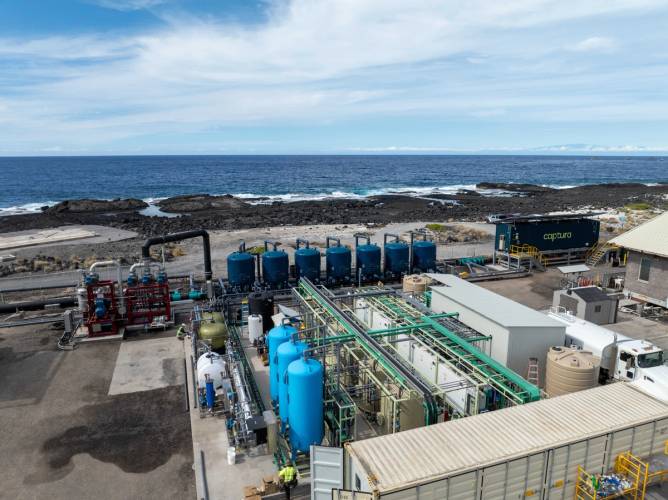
x: 528, y: 251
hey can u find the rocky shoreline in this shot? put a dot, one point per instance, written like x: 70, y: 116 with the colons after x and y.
x: 229, y: 213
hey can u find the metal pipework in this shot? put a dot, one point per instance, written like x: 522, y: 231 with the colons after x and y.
x: 119, y: 278
x: 274, y: 245
x: 300, y: 241
x: 410, y: 248
x: 366, y: 237
x: 332, y: 238
x: 392, y: 235
x: 185, y: 235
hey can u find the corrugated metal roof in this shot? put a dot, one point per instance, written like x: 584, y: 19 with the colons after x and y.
x: 492, y: 306
x: 408, y: 458
x: 650, y: 237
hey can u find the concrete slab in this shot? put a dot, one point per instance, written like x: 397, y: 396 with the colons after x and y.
x: 147, y: 364
x: 63, y: 437
x: 222, y: 480
x: 642, y: 328
x: 43, y: 237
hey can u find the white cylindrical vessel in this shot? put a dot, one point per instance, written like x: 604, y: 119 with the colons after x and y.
x: 82, y: 299
x: 254, y: 327
x: 213, y: 365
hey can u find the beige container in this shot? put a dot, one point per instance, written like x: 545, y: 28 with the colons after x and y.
x: 416, y: 283
x: 570, y: 370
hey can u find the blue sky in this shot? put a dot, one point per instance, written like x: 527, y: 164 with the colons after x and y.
x: 346, y: 76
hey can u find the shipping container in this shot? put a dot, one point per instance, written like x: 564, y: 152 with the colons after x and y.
x: 547, y: 234
x: 531, y: 450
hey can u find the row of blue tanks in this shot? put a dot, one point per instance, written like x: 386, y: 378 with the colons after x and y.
x: 275, y: 264
x: 296, y: 387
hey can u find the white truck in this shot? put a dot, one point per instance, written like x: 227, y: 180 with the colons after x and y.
x: 622, y: 358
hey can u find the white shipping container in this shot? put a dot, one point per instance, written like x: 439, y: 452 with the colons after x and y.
x: 531, y: 450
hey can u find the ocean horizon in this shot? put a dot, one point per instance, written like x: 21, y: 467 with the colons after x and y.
x: 33, y: 182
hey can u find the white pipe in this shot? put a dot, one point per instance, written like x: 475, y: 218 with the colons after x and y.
x: 108, y: 263
x: 145, y: 264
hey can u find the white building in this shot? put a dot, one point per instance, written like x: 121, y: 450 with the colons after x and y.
x: 518, y: 332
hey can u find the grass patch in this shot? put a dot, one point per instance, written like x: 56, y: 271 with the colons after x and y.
x: 439, y: 228
x: 258, y: 250
x: 641, y: 205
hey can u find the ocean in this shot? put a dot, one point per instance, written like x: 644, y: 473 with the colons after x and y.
x: 29, y: 183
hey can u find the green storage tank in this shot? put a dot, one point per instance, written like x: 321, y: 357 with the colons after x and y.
x: 212, y: 329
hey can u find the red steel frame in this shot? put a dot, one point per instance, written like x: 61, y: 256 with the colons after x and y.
x: 146, y: 302
x: 107, y: 325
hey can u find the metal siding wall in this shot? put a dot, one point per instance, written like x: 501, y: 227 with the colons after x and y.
x: 494, y: 482
x: 550, y: 474
x: 464, y: 487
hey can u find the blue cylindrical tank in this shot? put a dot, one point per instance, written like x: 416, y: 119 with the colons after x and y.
x: 240, y: 270
x: 367, y: 261
x: 424, y: 256
x: 307, y: 263
x: 338, y: 263
x: 396, y: 258
x: 287, y: 352
x: 275, y: 338
x: 275, y: 268
x: 305, y: 412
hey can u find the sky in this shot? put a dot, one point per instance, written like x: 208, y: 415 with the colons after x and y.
x: 88, y: 77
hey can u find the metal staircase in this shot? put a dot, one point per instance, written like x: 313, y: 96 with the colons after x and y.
x: 528, y: 253
x: 599, y: 251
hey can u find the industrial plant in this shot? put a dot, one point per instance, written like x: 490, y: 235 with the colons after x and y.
x: 387, y: 372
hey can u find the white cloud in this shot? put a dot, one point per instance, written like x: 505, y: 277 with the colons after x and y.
x: 313, y: 62
x: 595, y: 44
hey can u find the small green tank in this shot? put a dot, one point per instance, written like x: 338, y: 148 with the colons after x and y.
x: 212, y: 329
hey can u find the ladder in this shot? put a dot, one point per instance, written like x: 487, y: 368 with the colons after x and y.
x: 599, y: 251
x: 532, y: 371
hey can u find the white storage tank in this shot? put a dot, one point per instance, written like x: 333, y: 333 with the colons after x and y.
x: 570, y: 370
x: 213, y: 365
x: 254, y: 327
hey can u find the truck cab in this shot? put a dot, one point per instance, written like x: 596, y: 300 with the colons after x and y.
x: 638, y: 359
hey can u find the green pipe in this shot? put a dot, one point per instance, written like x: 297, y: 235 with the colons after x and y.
x: 346, y: 325
x: 529, y: 388
x: 402, y: 313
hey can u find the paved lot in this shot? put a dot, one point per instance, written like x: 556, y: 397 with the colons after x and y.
x: 64, y: 436
x: 536, y: 292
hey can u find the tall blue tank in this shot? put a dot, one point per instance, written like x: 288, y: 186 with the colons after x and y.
x: 287, y: 352
x: 240, y: 270
x: 338, y: 261
x: 305, y: 412
x: 275, y: 268
x: 275, y: 337
x: 424, y: 256
x: 367, y: 261
x: 307, y: 263
x: 396, y: 258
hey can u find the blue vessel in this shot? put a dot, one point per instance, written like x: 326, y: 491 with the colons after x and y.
x: 287, y: 352
x: 307, y: 262
x: 424, y: 256
x: 275, y: 337
x: 241, y: 269
x: 397, y: 255
x: 305, y: 412
x: 275, y: 268
x: 367, y: 259
x: 338, y: 260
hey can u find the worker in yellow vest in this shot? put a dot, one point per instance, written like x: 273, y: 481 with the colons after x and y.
x: 288, y: 478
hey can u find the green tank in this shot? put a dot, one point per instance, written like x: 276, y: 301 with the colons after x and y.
x: 212, y: 329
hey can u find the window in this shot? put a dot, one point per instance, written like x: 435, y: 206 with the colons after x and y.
x: 358, y: 483
x: 597, y: 309
x: 645, y: 265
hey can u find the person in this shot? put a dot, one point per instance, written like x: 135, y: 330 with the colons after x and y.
x: 288, y: 478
